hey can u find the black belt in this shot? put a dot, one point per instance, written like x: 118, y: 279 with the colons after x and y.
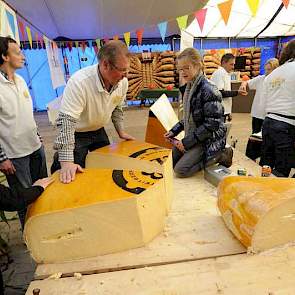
x: 284, y: 116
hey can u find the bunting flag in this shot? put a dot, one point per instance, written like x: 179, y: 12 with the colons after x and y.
x: 163, y: 29
x: 90, y: 44
x: 139, y: 34
x: 77, y: 44
x: 182, y: 22
x: 22, y: 29
x: 116, y: 37
x: 201, y: 16
x: 41, y: 40
x: 83, y: 46
x: 37, y: 39
x: 225, y: 9
x: 127, y: 38
x: 28, y: 29
x: 253, y: 5
x: 70, y: 45
x: 97, y: 41
x: 11, y: 23
x: 96, y: 49
x: 286, y: 3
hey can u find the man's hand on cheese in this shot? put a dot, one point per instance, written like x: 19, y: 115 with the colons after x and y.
x: 124, y: 135
x: 68, y: 171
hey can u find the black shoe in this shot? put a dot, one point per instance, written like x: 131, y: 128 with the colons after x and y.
x: 226, y: 157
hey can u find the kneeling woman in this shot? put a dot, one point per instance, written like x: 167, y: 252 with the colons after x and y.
x: 205, y: 132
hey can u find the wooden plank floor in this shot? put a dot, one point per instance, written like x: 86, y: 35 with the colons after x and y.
x: 269, y: 273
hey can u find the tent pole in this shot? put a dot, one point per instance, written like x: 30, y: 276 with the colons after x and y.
x: 229, y: 43
x: 201, y: 43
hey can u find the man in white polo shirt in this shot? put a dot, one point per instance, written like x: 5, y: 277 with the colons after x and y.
x: 222, y: 79
x: 22, y: 157
x: 92, y: 97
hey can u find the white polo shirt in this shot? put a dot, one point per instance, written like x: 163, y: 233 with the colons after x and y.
x: 18, y: 130
x: 257, y: 110
x: 86, y: 100
x: 222, y: 79
x: 279, y: 92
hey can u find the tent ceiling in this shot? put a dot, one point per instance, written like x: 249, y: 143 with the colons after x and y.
x: 242, y: 24
x: 90, y: 19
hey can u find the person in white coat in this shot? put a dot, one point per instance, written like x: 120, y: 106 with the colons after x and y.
x: 257, y: 110
x: 278, y: 129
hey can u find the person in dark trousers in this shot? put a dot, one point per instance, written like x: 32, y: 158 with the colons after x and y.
x: 22, y: 156
x: 278, y: 129
x: 17, y: 199
x: 202, y: 120
x: 93, y: 96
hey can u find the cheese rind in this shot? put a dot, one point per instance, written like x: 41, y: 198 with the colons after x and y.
x: 259, y: 211
x: 103, y: 211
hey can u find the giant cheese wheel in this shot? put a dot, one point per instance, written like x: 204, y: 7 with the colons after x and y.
x: 259, y: 211
x: 103, y: 211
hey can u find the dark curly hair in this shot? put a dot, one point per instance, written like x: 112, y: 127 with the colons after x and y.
x: 288, y: 52
x: 4, y: 43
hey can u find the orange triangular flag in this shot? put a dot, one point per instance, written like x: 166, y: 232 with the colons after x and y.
x: 28, y: 29
x: 286, y: 3
x: 225, y: 9
x: 139, y: 34
x: 127, y: 38
x: 253, y: 5
x: 70, y: 45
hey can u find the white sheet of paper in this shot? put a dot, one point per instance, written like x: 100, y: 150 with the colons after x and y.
x: 164, y: 112
x: 186, y: 40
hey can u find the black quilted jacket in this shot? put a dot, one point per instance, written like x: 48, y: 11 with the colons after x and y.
x: 207, y: 113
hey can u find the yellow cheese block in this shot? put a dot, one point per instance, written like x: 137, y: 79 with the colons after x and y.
x: 260, y: 211
x: 102, y: 211
x: 138, y: 156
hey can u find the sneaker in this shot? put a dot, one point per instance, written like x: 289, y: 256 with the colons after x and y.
x: 226, y: 157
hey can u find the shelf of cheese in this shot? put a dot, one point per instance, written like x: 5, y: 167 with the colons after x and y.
x: 103, y: 211
x: 259, y: 211
x: 138, y: 156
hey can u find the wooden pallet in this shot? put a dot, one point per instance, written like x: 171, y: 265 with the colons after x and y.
x: 195, y: 230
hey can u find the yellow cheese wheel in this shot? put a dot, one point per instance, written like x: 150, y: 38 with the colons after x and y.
x: 102, y: 211
x: 259, y: 211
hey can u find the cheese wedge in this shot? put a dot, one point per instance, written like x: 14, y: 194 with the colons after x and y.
x: 138, y: 156
x: 260, y: 211
x: 103, y: 211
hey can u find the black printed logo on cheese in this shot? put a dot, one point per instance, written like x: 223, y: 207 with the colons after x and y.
x: 136, y: 181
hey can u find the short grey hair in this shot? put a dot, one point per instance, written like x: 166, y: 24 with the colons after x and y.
x: 111, y: 50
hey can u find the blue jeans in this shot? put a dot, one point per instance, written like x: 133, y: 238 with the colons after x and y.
x: 28, y: 169
x: 84, y: 142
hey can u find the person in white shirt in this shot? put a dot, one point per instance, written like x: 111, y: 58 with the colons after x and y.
x: 257, y: 110
x: 92, y: 97
x: 278, y: 129
x: 222, y: 79
x: 22, y: 157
